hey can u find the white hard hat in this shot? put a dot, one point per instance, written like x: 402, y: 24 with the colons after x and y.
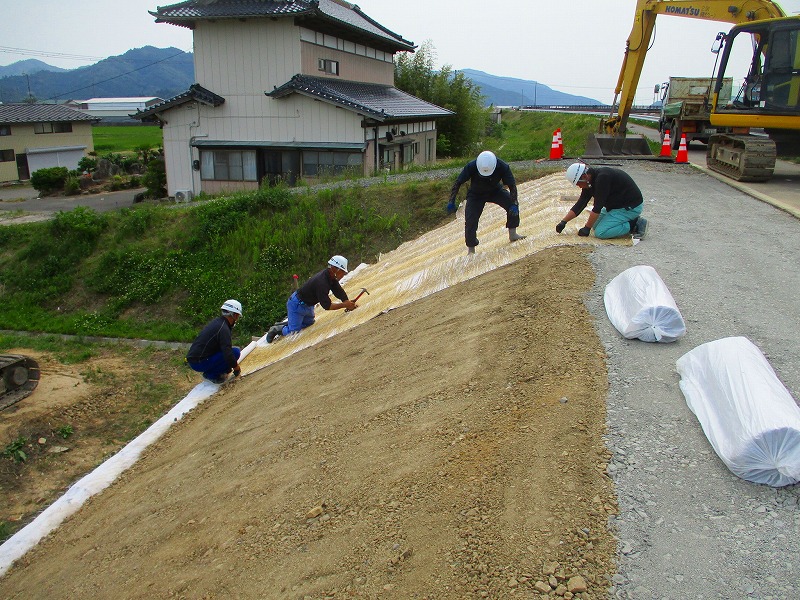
x: 232, y: 306
x: 340, y: 262
x: 575, y: 171
x: 486, y: 163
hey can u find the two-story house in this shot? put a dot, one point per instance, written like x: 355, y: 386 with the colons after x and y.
x: 36, y: 136
x: 288, y: 89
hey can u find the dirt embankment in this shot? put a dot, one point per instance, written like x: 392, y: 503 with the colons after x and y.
x: 451, y: 448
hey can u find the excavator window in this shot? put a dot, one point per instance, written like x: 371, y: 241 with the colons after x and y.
x: 782, y: 71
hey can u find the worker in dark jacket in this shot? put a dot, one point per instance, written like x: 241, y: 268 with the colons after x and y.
x: 212, y: 352
x: 617, y: 206
x: 300, y: 306
x: 487, y: 176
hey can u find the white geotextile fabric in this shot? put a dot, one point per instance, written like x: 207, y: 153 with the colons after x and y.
x: 99, y: 479
x: 750, y: 418
x: 639, y: 305
x: 437, y: 260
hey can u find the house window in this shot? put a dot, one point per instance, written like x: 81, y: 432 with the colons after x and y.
x: 6, y: 155
x: 5, y: 129
x: 408, y: 154
x: 59, y: 127
x: 228, y: 165
x: 330, y: 163
x: 331, y: 67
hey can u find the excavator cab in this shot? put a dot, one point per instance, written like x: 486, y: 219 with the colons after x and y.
x: 762, y: 121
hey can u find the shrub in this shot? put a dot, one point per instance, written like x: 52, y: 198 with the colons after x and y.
x: 155, y: 179
x: 72, y: 185
x: 49, y: 179
x: 87, y: 164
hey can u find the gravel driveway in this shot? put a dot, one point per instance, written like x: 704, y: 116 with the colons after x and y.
x: 688, y: 527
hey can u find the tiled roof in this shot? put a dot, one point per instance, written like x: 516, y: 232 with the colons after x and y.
x: 329, y: 16
x: 381, y: 102
x: 39, y: 113
x: 196, y: 92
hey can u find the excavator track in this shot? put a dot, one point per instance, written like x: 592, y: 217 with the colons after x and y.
x: 741, y: 157
x: 19, y: 376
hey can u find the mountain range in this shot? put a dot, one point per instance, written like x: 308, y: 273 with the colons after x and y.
x: 167, y: 72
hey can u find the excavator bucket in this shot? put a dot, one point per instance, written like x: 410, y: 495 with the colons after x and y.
x: 603, y: 145
x: 19, y: 376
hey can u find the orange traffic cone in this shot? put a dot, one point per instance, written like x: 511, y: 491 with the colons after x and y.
x: 666, y: 145
x: 554, y: 150
x: 683, y: 151
x: 560, y: 144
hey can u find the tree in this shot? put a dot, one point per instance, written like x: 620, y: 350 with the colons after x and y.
x: 459, y: 134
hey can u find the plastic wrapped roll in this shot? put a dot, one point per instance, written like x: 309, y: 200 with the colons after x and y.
x: 639, y: 305
x: 748, y: 415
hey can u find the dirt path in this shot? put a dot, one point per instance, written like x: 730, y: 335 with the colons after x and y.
x: 451, y: 448
x: 79, y: 414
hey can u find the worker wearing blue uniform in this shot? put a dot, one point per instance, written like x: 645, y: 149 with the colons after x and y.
x: 487, y: 176
x: 212, y: 353
x: 300, y: 306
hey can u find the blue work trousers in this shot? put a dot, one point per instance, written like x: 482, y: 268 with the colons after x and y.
x: 215, y: 365
x: 615, y: 223
x: 300, y: 314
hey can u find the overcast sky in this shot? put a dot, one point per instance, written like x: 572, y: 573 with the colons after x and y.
x: 574, y: 46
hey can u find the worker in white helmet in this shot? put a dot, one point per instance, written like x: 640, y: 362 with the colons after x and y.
x: 300, y: 306
x: 487, y: 175
x: 212, y: 353
x: 617, y: 206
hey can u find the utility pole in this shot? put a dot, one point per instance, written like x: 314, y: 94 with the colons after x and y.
x: 30, y: 99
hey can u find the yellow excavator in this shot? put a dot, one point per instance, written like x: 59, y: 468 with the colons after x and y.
x: 758, y: 123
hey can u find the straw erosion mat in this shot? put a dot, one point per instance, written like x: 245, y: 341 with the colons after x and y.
x: 451, y: 448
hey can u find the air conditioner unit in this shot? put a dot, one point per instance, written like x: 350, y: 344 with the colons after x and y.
x: 183, y: 195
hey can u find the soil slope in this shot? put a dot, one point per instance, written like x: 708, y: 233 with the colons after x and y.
x: 451, y: 448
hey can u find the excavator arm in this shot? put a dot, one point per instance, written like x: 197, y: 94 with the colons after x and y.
x: 727, y: 11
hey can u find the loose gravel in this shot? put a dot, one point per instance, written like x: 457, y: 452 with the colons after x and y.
x: 688, y: 527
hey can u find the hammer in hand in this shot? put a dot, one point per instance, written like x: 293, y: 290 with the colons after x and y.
x: 361, y: 293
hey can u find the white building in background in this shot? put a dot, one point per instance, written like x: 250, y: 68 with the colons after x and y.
x: 114, y: 110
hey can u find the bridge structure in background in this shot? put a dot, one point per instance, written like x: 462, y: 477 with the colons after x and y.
x: 594, y: 108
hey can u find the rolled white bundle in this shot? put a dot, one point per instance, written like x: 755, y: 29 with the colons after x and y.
x: 639, y: 305
x: 748, y: 415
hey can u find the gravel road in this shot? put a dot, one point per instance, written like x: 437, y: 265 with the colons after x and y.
x: 688, y: 527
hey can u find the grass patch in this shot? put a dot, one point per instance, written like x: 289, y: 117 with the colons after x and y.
x: 125, y: 139
x: 158, y: 272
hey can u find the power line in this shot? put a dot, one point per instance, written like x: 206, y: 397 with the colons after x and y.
x: 117, y: 76
x: 44, y: 53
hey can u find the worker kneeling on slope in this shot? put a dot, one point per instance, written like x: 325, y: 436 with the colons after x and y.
x: 212, y: 352
x: 487, y: 175
x: 617, y: 206
x: 300, y: 306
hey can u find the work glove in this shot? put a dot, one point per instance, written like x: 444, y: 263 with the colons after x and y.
x: 451, y: 207
x: 514, y: 210
x: 560, y: 226
x: 584, y: 231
